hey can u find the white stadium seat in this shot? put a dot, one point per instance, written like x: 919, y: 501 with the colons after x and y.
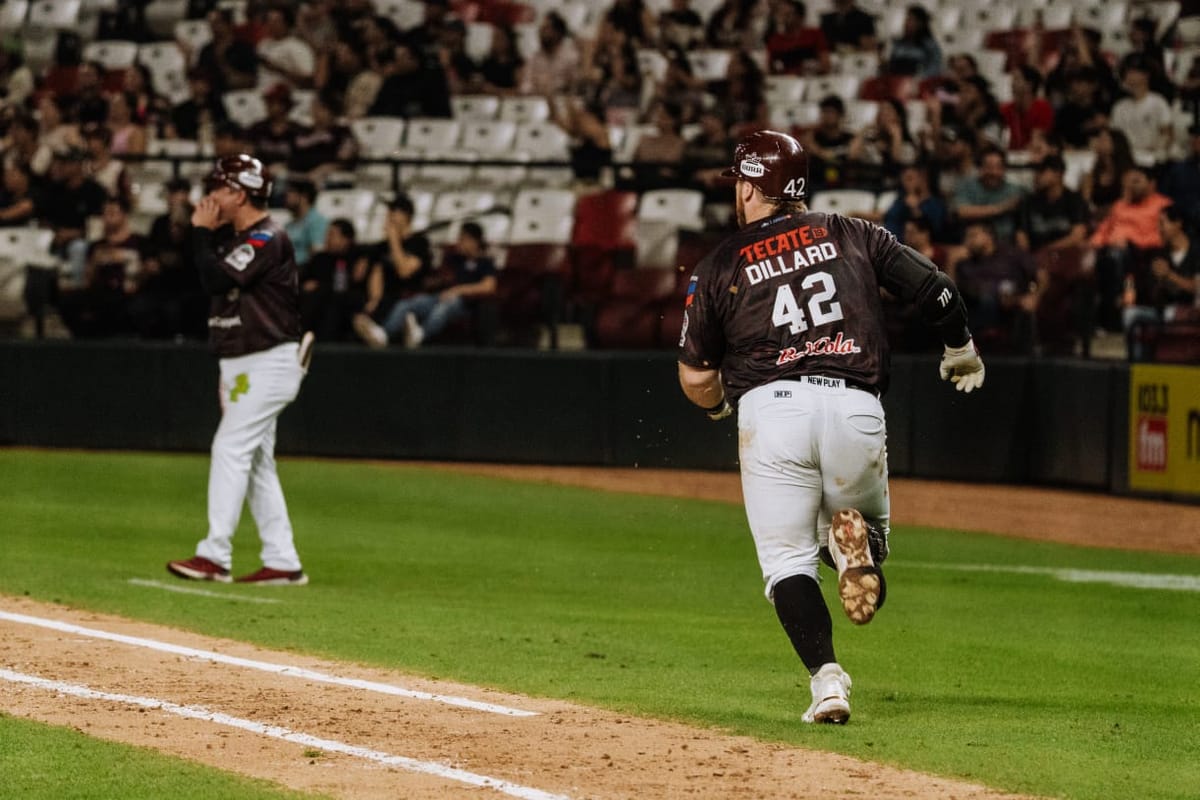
x: 54, y: 14
x: 352, y: 204
x: 796, y: 115
x: 843, y: 201
x: 652, y: 64
x: 542, y: 215
x: 112, y: 55
x: 680, y: 207
x: 13, y: 14
x: 474, y: 106
x: 407, y: 14
x: 458, y: 204
x: 819, y: 86
x: 245, y: 106
x: 431, y: 133
x: 860, y: 65
x: 538, y: 230
x: 524, y: 109
x: 489, y: 138
x: 710, y: 65
x: 19, y: 248
x: 161, y: 56
x: 784, y: 90
x: 544, y: 204
x: 195, y: 33
x: 378, y: 137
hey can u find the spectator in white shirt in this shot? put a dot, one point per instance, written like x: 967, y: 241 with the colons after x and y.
x: 1144, y: 116
x: 283, y: 56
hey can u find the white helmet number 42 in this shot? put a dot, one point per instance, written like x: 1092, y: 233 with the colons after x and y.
x: 794, y: 188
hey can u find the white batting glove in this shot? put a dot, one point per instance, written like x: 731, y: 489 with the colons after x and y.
x: 719, y: 411
x: 962, y: 366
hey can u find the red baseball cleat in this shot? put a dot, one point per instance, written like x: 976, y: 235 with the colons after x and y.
x: 275, y: 577
x: 198, y: 569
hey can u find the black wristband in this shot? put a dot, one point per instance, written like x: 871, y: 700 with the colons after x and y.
x: 715, y: 408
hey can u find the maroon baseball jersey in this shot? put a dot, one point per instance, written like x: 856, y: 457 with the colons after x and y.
x: 264, y: 309
x: 791, y: 295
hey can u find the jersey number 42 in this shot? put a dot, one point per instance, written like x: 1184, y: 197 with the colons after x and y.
x: 788, y: 312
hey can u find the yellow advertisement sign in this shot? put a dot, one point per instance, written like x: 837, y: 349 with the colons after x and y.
x: 1164, y: 429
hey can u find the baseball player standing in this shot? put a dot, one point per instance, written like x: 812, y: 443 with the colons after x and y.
x: 248, y: 268
x: 784, y: 320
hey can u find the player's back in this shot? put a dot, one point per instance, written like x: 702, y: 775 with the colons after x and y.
x: 792, y: 295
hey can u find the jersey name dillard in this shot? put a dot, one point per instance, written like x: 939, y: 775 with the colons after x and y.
x: 792, y: 250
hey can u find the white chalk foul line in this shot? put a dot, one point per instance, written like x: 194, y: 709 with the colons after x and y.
x: 1136, y: 580
x: 276, y: 732
x: 170, y: 587
x: 263, y: 666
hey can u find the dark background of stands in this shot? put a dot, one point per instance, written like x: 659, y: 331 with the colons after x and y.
x: 1047, y: 422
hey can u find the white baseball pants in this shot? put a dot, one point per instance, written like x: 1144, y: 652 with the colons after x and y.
x: 808, y: 448
x: 255, y: 389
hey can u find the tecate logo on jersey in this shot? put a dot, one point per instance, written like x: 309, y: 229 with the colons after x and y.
x: 825, y: 346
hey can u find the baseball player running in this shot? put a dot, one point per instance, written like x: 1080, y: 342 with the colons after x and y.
x: 784, y: 320
x: 248, y: 268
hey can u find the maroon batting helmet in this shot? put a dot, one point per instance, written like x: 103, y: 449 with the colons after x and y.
x: 772, y: 161
x: 241, y: 172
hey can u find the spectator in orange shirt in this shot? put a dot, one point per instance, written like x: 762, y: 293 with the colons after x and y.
x: 1027, y: 111
x: 1124, y: 239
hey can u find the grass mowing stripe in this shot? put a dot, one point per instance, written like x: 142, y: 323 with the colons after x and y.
x: 263, y: 666
x: 283, y: 734
x: 654, y: 606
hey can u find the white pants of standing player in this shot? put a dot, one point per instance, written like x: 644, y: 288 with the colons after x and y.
x: 243, y: 456
x: 806, y: 452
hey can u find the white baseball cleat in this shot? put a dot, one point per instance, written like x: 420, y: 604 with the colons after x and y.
x: 831, y: 696
x: 860, y: 582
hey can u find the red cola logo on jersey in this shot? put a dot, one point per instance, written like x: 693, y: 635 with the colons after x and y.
x: 825, y: 346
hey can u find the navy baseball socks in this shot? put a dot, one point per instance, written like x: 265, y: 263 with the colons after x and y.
x: 860, y: 580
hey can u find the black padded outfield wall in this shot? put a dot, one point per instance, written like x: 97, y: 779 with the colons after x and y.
x: 1040, y: 422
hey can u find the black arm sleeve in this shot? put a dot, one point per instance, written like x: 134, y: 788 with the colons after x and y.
x: 915, y: 279
x: 204, y: 254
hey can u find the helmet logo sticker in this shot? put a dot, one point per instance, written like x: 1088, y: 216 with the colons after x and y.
x: 250, y: 179
x: 752, y: 168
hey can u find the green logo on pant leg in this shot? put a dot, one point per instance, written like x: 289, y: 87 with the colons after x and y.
x: 241, y: 385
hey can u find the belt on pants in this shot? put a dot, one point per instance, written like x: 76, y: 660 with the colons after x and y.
x: 838, y: 383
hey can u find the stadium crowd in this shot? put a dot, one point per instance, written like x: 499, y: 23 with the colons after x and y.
x: 1046, y: 154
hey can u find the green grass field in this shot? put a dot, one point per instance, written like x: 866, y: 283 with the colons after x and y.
x: 1005, y: 674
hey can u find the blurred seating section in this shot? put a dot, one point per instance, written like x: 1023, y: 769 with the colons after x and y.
x: 585, y: 137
